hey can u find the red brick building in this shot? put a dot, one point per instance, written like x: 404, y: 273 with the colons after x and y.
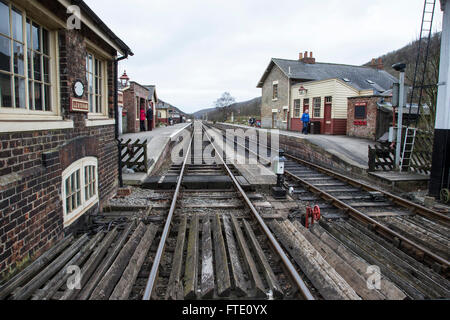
x: 135, y: 98
x: 58, y: 154
x: 365, y: 117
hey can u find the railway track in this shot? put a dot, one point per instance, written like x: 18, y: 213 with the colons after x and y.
x: 408, y: 242
x: 207, y: 241
x: 215, y: 245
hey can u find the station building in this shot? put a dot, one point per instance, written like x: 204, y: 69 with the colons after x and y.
x: 162, y: 112
x: 289, y: 87
x: 58, y: 153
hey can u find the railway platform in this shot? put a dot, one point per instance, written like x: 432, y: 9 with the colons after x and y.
x: 348, y: 149
x: 158, y: 142
x: 345, y: 154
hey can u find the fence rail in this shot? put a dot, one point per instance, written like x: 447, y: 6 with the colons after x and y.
x: 134, y: 155
x: 382, y: 157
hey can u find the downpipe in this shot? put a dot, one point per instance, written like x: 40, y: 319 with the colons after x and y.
x: 117, y: 116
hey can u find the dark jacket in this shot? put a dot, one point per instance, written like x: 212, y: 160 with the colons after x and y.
x: 150, y: 114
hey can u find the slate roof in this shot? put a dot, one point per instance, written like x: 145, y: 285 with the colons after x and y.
x: 358, y: 76
x: 151, y: 90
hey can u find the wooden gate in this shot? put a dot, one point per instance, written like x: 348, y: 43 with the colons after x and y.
x: 134, y: 155
x: 381, y: 158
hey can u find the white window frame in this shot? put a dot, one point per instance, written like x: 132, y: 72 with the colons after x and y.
x: 104, y: 86
x: 27, y: 114
x: 314, y: 106
x: 297, y: 108
x: 275, y: 96
x: 71, y: 217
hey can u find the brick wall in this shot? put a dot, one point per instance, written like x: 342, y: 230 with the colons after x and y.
x: 374, y: 125
x: 367, y: 130
x: 129, y: 102
x: 268, y: 104
x: 31, y: 165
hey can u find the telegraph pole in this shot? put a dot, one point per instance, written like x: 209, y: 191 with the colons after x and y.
x: 440, y: 170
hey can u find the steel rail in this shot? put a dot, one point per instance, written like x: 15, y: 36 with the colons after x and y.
x: 414, y: 207
x: 304, y: 291
x: 162, y: 244
x: 397, y: 238
x: 376, y: 226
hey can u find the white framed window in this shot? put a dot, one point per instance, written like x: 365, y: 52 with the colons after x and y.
x: 79, y: 188
x: 317, y: 104
x: 27, y: 65
x: 297, y: 108
x: 275, y: 91
x: 96, y: 80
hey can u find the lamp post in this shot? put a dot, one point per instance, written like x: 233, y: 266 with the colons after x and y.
x: 400, y: 67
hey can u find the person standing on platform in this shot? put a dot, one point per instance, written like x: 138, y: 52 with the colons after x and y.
x: 150, y: 118
x: 305, y: 120
x: 142, y: 119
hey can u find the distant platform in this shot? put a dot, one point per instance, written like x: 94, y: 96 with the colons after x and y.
x: 158, y: 142
x: 351, y: 150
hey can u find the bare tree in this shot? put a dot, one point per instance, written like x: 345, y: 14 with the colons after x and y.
x: 223, y: 104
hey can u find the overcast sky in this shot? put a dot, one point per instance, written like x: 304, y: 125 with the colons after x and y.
x: 194, y: 50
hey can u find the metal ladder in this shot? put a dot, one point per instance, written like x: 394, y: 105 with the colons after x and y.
x: 408, y: 148
x: 422, y: 57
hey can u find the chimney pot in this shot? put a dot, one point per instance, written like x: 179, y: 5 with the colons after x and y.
x: 301, y: 56
x: 311, y: 54
x: 380, y: 64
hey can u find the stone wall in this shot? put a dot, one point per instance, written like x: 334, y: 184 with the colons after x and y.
x: 268, y: 103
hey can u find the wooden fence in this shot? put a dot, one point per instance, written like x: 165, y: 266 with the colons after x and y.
x: 421, y: 156
x: 382, y: 157
x: 134, y: 155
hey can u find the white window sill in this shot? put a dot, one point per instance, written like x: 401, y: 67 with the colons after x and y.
x: 99, y: 122
x: 75, y: 215
x: 273, y: 100
x: 30, y: 125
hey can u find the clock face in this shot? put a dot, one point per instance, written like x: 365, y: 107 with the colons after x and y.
x: 78, y: 89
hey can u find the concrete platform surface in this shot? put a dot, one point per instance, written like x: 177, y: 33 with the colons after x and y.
x: 349, y: 149
x: 157, y: 141
x: 394, y: 176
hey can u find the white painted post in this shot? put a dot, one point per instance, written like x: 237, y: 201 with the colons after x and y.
x: 440, y: 170
x: 401, y: 104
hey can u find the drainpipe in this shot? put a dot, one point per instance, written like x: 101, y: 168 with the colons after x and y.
x: 288, y: 126
x: 117, y: 116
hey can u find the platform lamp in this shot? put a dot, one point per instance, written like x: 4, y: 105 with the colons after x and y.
x: 400, y: 67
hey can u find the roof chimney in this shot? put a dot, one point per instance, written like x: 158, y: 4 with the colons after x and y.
x: 380, y: 65
x: 300, y: 56
x: 307, y: 59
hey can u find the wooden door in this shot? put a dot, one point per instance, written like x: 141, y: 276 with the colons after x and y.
x: 327, y: 119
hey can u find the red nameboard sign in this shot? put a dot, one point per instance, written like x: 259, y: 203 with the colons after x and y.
x: 360, y: 123
x: 78, y: 105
